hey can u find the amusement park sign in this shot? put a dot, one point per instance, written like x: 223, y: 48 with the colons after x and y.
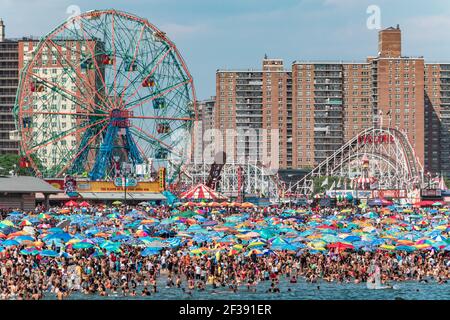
x: 389, y: 193
x: 381, y: 138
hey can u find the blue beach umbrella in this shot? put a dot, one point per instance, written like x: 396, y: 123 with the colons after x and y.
x: 150, y: 251
x: 10, y: 243
x: 32, y: 251
x: 20, y: 239
x: 49, y: 253
x: 82, y: 245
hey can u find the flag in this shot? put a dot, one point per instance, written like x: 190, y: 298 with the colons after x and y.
x: 325, y: 182
x: 442, y: 185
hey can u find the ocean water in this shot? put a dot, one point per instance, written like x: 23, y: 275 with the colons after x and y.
x: 301, y: 290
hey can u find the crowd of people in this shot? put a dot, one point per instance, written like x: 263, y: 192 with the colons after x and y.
x: 127, y: 272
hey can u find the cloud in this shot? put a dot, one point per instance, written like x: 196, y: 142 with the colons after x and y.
x: 429, y: 27
x: 427, y: 36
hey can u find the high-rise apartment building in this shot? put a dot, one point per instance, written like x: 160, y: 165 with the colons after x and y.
x: 9, y: 79
x: 202, y: 134
x: 249, y: 106
x: 437, y: 117
x: 318, y: 106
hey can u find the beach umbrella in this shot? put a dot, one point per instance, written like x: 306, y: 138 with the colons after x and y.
x: 20, y: 239
x: 7, y: 223
x: 29, y: 251
x: 71, y: 203
x: 82, y: 245
x: 352, y: 238
x: 209, y: 223
x: 213, y: 204
x: 10, y: 243
x: 439, y: 238
x: 48, y: 253
x: 63, y: 224
x: 25, y: 223
x: 422, y: 246
x: 340, y: 246
x: 84, y: 204
x: 150, y: 251
x: 387, y: 247
x: 437, y: 204
x: 28, y: 229
x: 64, y: 236
x: 117, y: 202
x: 405, y: 248
x: 156, y: 244
x: 255, y: 244
x: 424, y: 203
x: 247, y: 205
x: 44, y: 216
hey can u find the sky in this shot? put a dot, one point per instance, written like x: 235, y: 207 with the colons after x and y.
x: 236, y: 34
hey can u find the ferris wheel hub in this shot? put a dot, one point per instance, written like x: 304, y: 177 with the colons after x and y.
x: 120, y: 118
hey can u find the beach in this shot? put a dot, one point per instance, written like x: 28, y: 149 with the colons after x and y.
x: 220, y: 251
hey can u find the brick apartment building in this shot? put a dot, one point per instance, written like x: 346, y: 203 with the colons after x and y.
x: 9, y: 79
x: 318, y: 106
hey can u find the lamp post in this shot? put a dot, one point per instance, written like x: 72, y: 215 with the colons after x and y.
x: 125, y: 177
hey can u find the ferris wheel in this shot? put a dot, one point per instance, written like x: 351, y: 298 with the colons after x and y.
x: 104, y: 87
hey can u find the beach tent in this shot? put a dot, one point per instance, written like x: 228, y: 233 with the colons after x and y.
x: 201, y: 191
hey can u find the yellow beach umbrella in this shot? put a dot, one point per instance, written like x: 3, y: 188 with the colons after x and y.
x: 238, y: 246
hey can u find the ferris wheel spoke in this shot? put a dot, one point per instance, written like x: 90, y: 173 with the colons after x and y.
x: 152, y: 97
x: 94, y: 60
x: 164, y: 53
x: 90, y: 141
x: 124, y: 89
x: 113, y: 44
x: 161, y: 118
x: 63, y: 135
x: 81, y: 114
x: 80, y: 77
x: 155, y: 139
x: 68, y: 94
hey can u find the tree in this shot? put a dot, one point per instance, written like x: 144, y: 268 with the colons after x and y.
x: 7, y: 163
x: 318, y: 181
x: 447, y: 181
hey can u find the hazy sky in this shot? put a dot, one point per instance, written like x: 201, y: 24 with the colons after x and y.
x: 235, y: 34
